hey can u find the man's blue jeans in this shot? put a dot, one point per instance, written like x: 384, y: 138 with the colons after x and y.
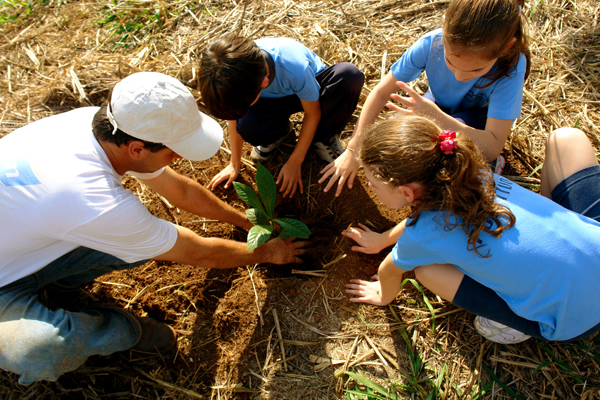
x: 40, y: 344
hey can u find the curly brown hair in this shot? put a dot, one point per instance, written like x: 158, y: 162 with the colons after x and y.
x: 404, y: 150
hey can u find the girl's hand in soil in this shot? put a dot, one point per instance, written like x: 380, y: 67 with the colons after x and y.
x: 369, y: 242
x: 415, y: 104
x: 290, y: 178
x: 229, y: 173
x: 366, y: 291
x: 342, y: 169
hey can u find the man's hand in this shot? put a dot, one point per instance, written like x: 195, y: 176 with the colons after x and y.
x: 366, y: 291
x: 343, y: 168
x: 278, y: 251
x: 290, y: 178
x: 229, y: 173
x: 369, y: 242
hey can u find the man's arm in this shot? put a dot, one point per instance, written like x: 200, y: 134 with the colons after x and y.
x: 222, y: 253
x: 190, y: 196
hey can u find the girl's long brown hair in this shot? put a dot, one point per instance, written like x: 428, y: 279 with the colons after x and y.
x: 485, y: 27
x: 406, y: 150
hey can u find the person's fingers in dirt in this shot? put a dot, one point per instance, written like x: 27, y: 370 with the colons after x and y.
x: 228, y: 173
x: 364, y: 291
x: 299, y: 249
x: 364, y: 227
x: 290, y: 178
x: 369, y: 242
x: 342, y: 169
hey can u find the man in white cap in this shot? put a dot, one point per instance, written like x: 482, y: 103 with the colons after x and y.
x: 66, y: 219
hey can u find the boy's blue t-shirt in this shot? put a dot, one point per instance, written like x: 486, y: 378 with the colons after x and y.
x: 503, y: 97
x: 546, y: 267
x: 295, y: 69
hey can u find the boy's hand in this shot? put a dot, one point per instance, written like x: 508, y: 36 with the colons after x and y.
x: 343, y: 168
x: 229, y: 173
x: 366, y: 291
x: 369, y: 242
x: 290, y: 178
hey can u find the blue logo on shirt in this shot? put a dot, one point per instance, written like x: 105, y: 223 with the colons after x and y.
x: 17, y: 173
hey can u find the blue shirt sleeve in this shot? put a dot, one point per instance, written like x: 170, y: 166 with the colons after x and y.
x: 414, y: 60
x: 306, y: 87
x: 507, y: 97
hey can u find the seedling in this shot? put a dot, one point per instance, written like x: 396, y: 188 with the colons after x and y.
x: 263, y: 213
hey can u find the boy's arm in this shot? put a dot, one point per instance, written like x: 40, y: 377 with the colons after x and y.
x: 345, y: 167
x: 190, y: 196
x: 383, y: 290
x: 290, y: 175
x: 230, y: 172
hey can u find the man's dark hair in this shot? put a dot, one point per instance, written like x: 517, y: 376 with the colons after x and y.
x: 103, y: 131
x: 231, y: 72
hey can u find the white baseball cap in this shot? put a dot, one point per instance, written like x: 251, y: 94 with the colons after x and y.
x: 158, y: 108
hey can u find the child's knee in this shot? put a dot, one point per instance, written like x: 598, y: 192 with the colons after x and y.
x: 352, y: 76
x: 566, y: 135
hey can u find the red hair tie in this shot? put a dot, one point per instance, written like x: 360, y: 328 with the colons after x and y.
x: 448, y: 142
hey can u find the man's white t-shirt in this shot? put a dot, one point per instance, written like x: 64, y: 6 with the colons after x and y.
x: 58, y: 191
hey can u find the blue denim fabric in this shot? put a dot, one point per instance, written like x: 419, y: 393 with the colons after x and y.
x: 40, y: 344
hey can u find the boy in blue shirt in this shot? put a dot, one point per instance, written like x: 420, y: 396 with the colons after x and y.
x: 257, y: 85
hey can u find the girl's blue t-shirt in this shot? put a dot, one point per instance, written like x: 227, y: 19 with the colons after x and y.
x: 503, y: 97
x: 296, y: 67
x: 546, y: 267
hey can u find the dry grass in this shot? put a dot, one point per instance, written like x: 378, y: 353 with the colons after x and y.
x: 58, y: 56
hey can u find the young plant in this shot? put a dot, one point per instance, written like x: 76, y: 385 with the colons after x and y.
x: 263, y: 213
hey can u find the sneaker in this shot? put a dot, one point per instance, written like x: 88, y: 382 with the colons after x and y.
x: 496, y: 332
x: 329, y: 152
x: 265, y: 153
x: 498, y: 165
x: 156, y: 336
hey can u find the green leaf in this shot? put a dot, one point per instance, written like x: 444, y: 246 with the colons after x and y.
x: 258, y: 235
x: 291, y: 227
x: 425, y: 299
x: 248, y: 195
x: 502, y: 384
x: 376, y: 387
x: 257, y: 217
x: 533, y: 7
x: 542, y: 365
x: 266, y: 189
x: 536, y: 169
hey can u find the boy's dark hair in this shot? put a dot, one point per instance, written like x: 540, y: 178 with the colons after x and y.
x: 485, y: 27
x: 103, y: 131
x: 231, y: 72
